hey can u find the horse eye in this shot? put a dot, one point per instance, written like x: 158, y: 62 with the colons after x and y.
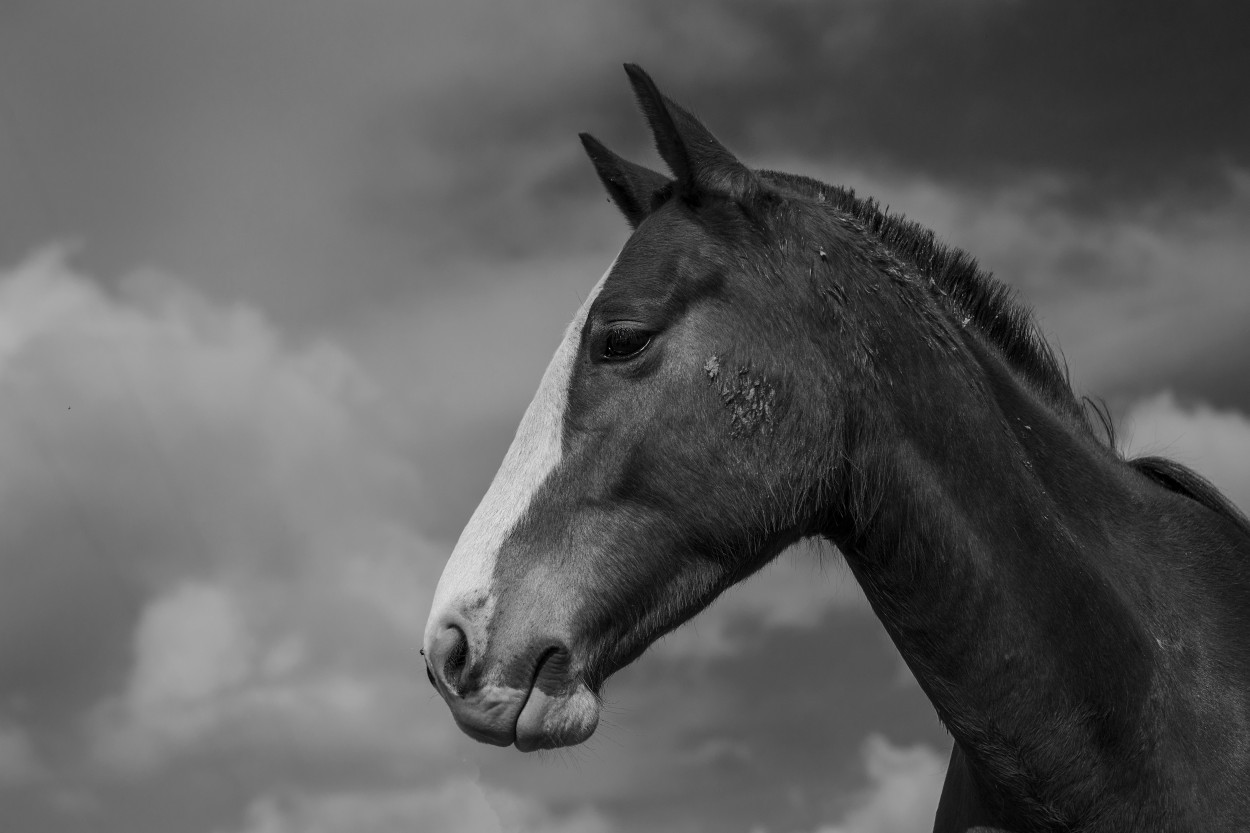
x: 624, y: 343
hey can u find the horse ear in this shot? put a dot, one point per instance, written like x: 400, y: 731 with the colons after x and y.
x: 630, y: 186
x: 697, y: 160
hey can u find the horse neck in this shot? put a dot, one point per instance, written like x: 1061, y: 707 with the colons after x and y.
x: 987, y: 539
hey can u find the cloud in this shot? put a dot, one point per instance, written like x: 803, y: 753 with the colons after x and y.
x: 972, y: 89
x: 796, y: 591
x: 190, y: 645
x: 212, y: 678
x: 905, y: 783
x: 900, y: 86
x: 232, y: 522
x: 269, y: 174
x: 902, y: 795
x: 191, y: 648
x: 456, y: 806
x: 1213, y: 442
x: 18, y: 765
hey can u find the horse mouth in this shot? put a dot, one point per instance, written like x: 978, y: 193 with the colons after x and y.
x: 557, y: 712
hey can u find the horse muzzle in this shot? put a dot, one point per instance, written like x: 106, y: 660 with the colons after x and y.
x: 529, y: 697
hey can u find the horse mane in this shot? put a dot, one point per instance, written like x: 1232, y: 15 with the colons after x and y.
x: 1008, y: 323
x: 991, y: 305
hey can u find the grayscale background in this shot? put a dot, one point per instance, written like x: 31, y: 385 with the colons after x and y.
x: 277, y: 280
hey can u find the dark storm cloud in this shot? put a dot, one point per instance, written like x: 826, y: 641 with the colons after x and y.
x: 1121, y: 101
x: 1128, y: 96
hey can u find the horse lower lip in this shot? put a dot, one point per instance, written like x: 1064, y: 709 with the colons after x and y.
x: 547, y: 720
x: 528, y: 734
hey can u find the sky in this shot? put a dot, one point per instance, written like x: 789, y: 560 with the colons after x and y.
x: 278, y: 278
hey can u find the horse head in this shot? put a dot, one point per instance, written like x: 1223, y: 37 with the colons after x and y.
x: 682, y: 436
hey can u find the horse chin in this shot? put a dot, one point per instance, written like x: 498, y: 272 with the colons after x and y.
x: 549, y: 721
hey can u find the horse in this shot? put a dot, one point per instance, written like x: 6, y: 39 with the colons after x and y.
x: 769, y: 359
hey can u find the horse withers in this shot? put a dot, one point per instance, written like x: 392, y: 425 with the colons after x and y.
x: 770, y: 358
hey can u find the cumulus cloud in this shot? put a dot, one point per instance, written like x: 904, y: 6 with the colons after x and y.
x: 1212, y: 441
x: 905, y: 783
x: 805, y: 583
x: 18, y: 765
x: 207, y: 552
x: 191, y: 647
x: 902, y: 795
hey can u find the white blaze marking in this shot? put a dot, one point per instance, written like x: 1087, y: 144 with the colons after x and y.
x: 465, y: 587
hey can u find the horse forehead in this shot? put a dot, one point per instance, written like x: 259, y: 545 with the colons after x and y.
x: 668, y: 235
x: 658, y: 263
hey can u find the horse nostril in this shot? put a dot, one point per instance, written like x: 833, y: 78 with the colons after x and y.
x: 454, y: 666
x: 449, y: 657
